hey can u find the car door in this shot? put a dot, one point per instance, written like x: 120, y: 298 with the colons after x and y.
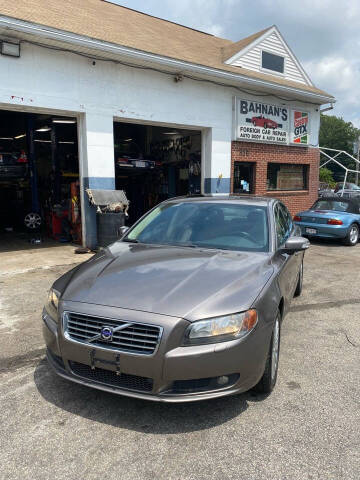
x: 289, y: 265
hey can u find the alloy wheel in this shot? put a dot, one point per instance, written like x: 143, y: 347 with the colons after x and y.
x: 354, y: 234
x: 301, y: 275
x: 32, y: 220
x: 275, y: 348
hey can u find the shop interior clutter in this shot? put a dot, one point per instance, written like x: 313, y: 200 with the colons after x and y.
x: 40, y: 182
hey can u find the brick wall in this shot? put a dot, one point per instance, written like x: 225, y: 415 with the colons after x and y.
x: 262, y: 154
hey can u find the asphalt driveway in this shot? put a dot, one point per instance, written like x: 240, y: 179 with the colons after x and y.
x: 308, y: 428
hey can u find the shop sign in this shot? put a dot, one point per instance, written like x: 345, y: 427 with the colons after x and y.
x: 270, y: 123
x: 300, y: 127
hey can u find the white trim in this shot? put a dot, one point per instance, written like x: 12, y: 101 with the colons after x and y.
x: 249, y: 47
x: 263, y: 37
x: 82, y: 153
x: 87, y: 42
x: 297, y: 63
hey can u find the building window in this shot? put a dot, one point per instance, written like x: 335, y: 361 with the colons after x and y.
x: 284, y: 176
x: 272, y: 62
x: 243, y: 177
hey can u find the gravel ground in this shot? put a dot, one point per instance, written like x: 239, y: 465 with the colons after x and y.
x: 308, y: 428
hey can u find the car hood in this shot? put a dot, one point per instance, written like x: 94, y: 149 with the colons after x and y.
x: 191, y: 283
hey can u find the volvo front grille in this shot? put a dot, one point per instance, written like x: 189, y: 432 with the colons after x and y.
x: 112, y: 334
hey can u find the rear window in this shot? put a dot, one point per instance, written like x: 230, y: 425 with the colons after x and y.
x: 337, y: 206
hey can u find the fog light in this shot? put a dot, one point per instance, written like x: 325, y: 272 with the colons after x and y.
x: 223, y: 380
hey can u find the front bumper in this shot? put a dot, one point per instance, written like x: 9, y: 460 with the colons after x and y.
x: 172, y: 373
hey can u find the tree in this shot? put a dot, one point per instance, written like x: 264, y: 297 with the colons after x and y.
x: 336, y: 133
x: 340, y: 135
x: 326, y: 176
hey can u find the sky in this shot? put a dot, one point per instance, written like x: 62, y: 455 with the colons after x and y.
x: 323, y: 34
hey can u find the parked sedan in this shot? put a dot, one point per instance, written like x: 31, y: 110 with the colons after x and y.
x: 188, y: 305
x: 348, y: 186
x: 331, y: 217
x: 346, y: 193
x: 325, y: 190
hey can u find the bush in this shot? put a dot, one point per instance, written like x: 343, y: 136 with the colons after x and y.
x: 326, y: 176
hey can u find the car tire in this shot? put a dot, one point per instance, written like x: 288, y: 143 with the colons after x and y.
x: 32, y: 221
x: 299, y: 284
x: 268, y: 380
x: 352, y: 236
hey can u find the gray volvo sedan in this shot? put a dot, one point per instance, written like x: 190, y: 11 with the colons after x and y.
x: 186, y: 306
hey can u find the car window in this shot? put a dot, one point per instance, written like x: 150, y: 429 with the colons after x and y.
x: 283, y: 223
x: 222, y: 225
x: 334, y: 205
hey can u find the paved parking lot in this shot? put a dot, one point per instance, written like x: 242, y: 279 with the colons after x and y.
x: 308, y: 428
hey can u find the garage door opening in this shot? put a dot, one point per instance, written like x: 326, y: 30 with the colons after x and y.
x: 155, y: 163
x: 39, y: 180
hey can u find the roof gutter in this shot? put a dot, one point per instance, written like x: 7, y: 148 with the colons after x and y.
x: 139, y: 55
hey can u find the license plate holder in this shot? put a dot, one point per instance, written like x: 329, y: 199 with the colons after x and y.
x: 311, y: 231
x: 94, y: 360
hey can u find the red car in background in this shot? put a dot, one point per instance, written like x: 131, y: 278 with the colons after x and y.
x: 261, y: 121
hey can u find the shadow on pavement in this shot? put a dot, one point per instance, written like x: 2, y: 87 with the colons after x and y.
x: 133, y: 414
x: 328, y: 242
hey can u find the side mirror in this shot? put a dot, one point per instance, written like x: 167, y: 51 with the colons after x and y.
x: 295, y: 244
x: 122, y: 231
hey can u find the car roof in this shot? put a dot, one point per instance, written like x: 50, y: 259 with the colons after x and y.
x: 335, y: 198
x: 349, y: 190
x: 246, y: 199
x: 352, y: 201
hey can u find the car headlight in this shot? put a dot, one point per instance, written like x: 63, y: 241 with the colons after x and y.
x: 221, y: 329
x: 52, y: 304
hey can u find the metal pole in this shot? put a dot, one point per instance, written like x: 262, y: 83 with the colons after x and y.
x: 357, y: 163
x: 30, y: 129
x: 55, y: 165
x: 342, y: 191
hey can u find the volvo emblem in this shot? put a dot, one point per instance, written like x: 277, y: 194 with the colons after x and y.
x: 107, y: 333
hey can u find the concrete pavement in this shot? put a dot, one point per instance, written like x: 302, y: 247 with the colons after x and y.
x: 308, y: 428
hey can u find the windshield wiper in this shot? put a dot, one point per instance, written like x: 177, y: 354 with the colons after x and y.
x: 185, y: 244
x: 130, y: 240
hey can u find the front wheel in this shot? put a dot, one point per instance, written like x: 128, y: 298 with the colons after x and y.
x: 299, y: 285
x: 268, y: 380
x: 352, y: 236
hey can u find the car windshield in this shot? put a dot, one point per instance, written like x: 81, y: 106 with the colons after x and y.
x: 225, y: 226
x: 335, y: 205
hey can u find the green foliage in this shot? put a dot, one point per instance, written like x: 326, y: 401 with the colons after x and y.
x: 340, y: 135
x: 326, y: 176
x: 336, y: 133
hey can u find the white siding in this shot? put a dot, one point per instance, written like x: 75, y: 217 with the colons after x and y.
x: 273, y: 44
